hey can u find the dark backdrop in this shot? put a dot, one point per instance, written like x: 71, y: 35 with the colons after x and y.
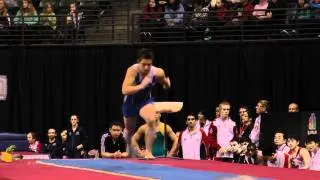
x: 47, y: 84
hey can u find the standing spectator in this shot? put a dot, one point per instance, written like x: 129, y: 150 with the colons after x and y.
x: 204, y: 122
x: 74, y: 23
x: 246, y: 124
x: 261, y: 108
x: 113, y: 144
x: 299, y: 156
x: 77, y: 138
x: 34, y: 145
x: 312, y: 144
x: 64, y: 144
x: 293, y: 107
x: 27, y: 14
x: 192, y: 141
x: 221, y: 132
x: 53, y: 147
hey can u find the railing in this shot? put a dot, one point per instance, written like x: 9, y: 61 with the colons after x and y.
x: 103, y: 25
x: 223, y: 26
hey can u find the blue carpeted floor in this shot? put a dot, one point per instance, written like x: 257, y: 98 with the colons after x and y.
x: 141, y: 169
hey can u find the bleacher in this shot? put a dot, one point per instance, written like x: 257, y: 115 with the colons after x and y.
x: 122, y: 21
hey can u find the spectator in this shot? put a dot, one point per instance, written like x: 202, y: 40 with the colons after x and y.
x: 302, y: 10
x: 174, y: 13
x: 113, y: 144
x: 221, y: 132
x: 299, y: 156
x: 64, y: 144
x: 158, y: 148
x: 74, y: 23
x: 52, y: 2
x: 261, y: 108
x: 217, y: 112
x: 11, y: 3
x: 312, y: 144
x: 247, y: 10
x: 34, y: 145
x: 151, y: 21
x: 192, y: 141
x: 53, y: 147
x: 293, y: 107
x: 246, y: 124
x: 48, y: 17
x: 280, y: 158
x: 242, y: 110
x: 5, y: 21
x: 27, y: 14
x: 77, y: 139
x: 260, y: 10
x: 204, y: 123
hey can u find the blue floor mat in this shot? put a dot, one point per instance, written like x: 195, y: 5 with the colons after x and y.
x: 145, y: 170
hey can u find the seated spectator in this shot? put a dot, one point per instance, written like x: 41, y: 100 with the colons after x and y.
x: 53, y: 147
x: 77, y: 139
x: 64, y: 144
x: 12, y: 3
x: 293, y: 107
x: 222, y: 130
x: 315, y: 6
x: 302, y: 10
x: 280, y: 158
x: 174, y: 13
x: 299, y: 156
x: 192, y: 141
x: 247, y: 10
x: 278, y: 13
x: 34, y: 145
x: 5, y: 21
x: 51, y: 2
x: 27, y: 14
x: 151, y: 21
x: 158, y: 148
x: 260, y: 10
x: 48, y: 17
x: 236, y: 149
x: 312, y: 144
x: 246, y: 124
x: 113, y: 144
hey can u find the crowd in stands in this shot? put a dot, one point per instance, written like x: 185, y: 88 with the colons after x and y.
x: 208, y: 19
x: 41, y: 19
x: 220, y: 140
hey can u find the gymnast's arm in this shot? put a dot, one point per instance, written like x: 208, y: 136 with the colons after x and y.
x: 162, y: 79
x: 135, y: 139
x: 306, y: 158
x: 128, y: 87
x: 175, y: 140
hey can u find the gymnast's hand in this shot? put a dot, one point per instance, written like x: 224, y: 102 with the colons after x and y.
x: 146, y: 81
x: 167, y: 83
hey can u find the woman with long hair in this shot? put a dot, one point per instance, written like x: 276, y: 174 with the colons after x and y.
x: 4, y: 16
x: 27, y: 14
